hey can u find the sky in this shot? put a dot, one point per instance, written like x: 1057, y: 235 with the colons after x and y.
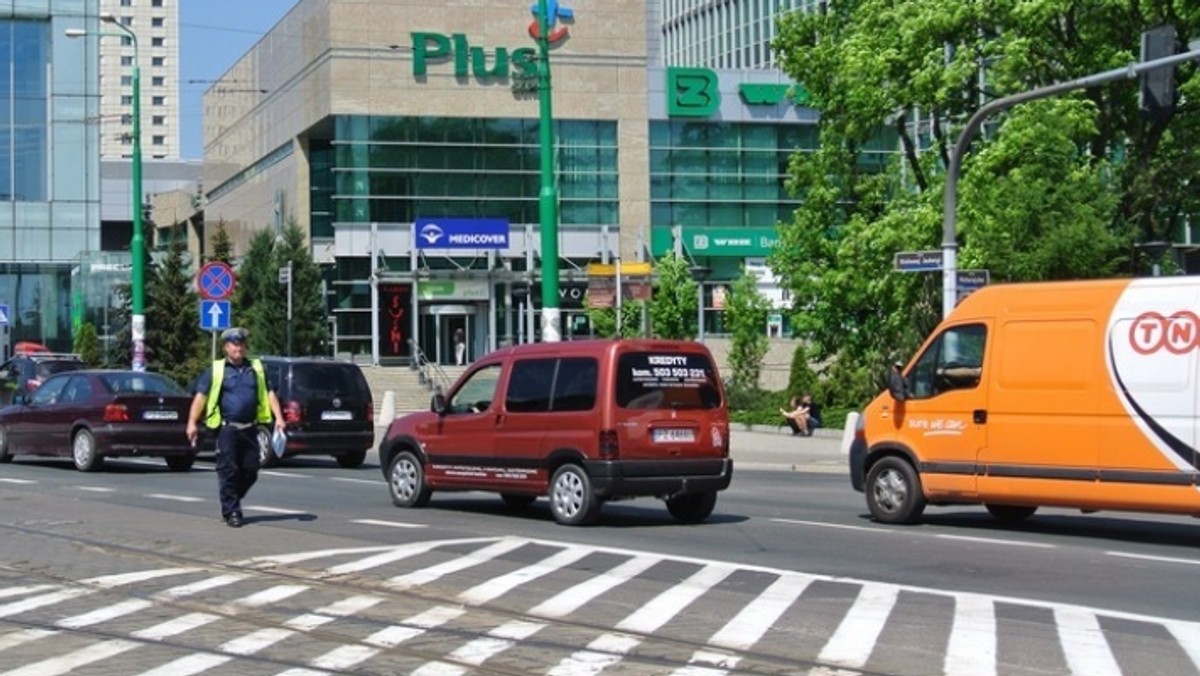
x: 213, y: 35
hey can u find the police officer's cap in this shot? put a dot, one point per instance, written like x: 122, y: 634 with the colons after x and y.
x: 235, y: 335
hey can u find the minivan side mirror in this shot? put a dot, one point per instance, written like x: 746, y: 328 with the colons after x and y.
x: 897, y: 385
x: 438, y: 404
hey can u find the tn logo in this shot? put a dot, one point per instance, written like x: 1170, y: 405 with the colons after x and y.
x: 692, y: 92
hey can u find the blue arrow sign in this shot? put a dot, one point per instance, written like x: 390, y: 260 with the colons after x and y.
x: 214, y: 314
x: 3, y: 315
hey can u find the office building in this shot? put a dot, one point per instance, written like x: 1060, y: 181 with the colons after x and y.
x: 156, y: 23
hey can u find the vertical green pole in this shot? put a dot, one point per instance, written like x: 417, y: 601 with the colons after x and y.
x: 137, y: 246
x: 548, y: 197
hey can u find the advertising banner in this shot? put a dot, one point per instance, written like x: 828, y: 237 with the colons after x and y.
x: 395, y: 304
x: 462, y: 233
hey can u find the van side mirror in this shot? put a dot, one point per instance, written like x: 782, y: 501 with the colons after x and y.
x: 437, y: 404
x: 897, y: 385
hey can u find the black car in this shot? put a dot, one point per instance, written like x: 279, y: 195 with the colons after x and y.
x: 327, y: 406
x: 22, y: 374
x: 89, y: 415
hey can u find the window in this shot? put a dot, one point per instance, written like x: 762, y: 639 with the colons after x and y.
x: 126, y: 100
x: 24, y: 90
x: 158, y: 120
x: 476, y: 394
x: 666, y: 381
x: 157, y: 21
x: 158, y: 101
x: 575, y: 385
x: 158, y: 61
x: 127, y: 3
x: 158, y: 42
x: 156, y: 3
x: 126, y: 80
x: 529, y: 386
x: 126, y: 118
x: 158, y: 81
x: 158, y: 140
x: 126, y: 41
x: 126, y: 60
x: 953, y: 361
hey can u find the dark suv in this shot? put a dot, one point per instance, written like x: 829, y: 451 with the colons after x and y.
x: 327, y: 406
x: 22, y: 374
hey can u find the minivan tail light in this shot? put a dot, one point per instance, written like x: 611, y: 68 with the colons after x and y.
x: 291, y: 412
x: 116, y: 413
x: 610, y: 449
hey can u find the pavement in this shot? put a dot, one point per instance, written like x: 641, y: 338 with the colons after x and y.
x: 764, y: 447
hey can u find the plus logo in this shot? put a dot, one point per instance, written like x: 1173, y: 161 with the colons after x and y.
x: 554, y: 12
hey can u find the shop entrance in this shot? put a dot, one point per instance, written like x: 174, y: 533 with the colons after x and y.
x: 444, y: 328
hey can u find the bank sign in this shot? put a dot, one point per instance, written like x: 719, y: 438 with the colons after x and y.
x: 462, y: 233
x: 696, y: 92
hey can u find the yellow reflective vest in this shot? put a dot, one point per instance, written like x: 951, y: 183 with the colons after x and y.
x: 212, y: 412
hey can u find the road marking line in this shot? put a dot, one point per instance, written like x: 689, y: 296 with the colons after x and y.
x: 395, y: 554
x: 1083, y: 643
x: 17, y: 481
x: 73, y: 660
x: 971, y: 648
x: 354, y: 481
x: 255, y: 641
x: 104, y: 614
x: 286, y: 475
x: 27, y: 589
x: 1188, y: 636
x: 176, y: 498
x: 427, y: 575
x: 200, y: 586
x: 659, y: 610
x: 994, y: 541
x: 1159, y: 559
x: 35, y: 602
x: 484, y: 648
x: 274, y: 510
x: 321, y: 616
x: 601, y: 654
x: 867, y: 529
x: 344, y: 658
x: 175, y: 626
x: 391, y: 524
x: 22, y: 637
x: 96, y: 489
x: 851, y: 643
x: 749, y: 625
x: 186, y: 666
x: 498, y: 586
x: 897, y: 531
x: 413, y: 626
x: 570, y: 600
x: 266, y: 596
x: 120, y: 579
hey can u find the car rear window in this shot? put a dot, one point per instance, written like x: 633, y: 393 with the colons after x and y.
x: 660, y: 380
x: 139, y: 383
x: 340, y: 380
x: 48, y: 368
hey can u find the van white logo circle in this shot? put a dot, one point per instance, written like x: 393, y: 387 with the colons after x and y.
x: 1152, y: 332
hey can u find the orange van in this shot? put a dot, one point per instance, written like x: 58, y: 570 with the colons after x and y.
x: 581, y: 423
x: 1075, y: 394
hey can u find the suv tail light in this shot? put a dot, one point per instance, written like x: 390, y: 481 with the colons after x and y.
x: 370, y: 411
x: 609, y: 447
x: 116, y: 413
x: 291, y: 412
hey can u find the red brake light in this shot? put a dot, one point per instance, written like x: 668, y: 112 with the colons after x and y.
x: 609, y: 447
x: 291, y: 412
x: 370, y: 411
x: 116, y: 413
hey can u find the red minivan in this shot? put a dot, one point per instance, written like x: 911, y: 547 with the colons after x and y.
x: 581, y: 423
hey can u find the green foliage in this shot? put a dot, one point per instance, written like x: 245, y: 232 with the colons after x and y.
x: 221, y: 244
x: 87, y: 345
x: 801, y: 377
x: 746, y: 318
x: 257, y: 298
x: 310, y: 330
x: 175, y: 344
x: 1053, y: 189
x: 673, y: 309
x: 604, y: 319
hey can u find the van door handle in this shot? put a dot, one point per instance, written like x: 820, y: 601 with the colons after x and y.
x: 499, y: 419
x: 980, y: 416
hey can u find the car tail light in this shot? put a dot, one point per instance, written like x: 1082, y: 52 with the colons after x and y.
x: 370, y: 411
x: 116, y: 413
x: 610, y: 449
x: 291, y: 412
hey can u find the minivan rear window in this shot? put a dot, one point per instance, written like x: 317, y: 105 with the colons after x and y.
x: 658, y: 380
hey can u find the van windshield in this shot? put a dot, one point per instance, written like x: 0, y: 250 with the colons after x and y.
x: 662, y: 380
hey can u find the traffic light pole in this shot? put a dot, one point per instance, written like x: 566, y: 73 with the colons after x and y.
x: 548, y: 197
x: 950, y: 204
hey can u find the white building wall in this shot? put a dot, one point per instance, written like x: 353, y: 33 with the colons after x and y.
x: 726, y: 34
x: 156, y: 24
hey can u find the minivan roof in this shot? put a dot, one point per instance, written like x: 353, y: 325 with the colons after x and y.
x: 598, y: 346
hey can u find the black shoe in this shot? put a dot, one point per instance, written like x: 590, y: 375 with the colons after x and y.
x: 235, y: 520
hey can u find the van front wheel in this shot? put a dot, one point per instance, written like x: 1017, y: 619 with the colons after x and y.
x: 406, y: 481
x: 894, y: 492
x: 692, y: 507
x: 571, y: 498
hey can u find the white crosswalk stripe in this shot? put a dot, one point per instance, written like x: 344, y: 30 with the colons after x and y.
x: 479, y: 627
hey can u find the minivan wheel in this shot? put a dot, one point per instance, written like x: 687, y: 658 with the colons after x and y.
x: 351, y: 460
x: 571, y: 498
x: 180, y: 463
x: 894, y: 491
x: 83, y: 451
x: 5, y: 456
x: 1010, y: 513
x: 406, y: 481
x: 692, y: 507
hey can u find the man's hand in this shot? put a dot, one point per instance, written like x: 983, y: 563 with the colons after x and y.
x: 191, y: 432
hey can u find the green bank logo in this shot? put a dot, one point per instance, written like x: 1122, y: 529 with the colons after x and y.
x: 762, y: 94
x: 692, y: 92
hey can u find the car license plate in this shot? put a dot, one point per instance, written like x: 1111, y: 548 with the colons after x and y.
x: 161, y: 415
x: 673, y: 434
x: 336, y: 415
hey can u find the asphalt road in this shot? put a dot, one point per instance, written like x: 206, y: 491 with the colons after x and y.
x: 792, y: 550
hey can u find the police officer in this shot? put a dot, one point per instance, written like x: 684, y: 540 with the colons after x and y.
x: 235, y: 398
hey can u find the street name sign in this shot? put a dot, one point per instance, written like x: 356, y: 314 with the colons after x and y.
x: 917, y: 261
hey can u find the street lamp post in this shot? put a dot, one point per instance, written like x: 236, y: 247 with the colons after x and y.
x: 137, y: 244
x: 548, y: 196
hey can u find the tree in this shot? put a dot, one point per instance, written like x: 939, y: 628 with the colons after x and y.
x: 221, y: 244
x: 176, y: 346
x: 674, y: 305
x: 258, y: 302
x: 87, y: 345
x: 1054, y: 189
x: 310, y: 328
x: 746, y: 318
x: 604, y: 319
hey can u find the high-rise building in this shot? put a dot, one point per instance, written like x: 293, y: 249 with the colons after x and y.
x: 726, y: 34
x: 156, y: 23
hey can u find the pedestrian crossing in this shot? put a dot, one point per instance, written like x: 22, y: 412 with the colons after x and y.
x: 477, y: 605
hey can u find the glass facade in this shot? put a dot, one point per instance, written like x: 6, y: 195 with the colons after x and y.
x: 24, y: 124
x: 396, y: 169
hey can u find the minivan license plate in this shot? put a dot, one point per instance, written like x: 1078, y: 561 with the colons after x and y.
x: 161, y: 415
x: 336, y: 415
x: 670, y: 434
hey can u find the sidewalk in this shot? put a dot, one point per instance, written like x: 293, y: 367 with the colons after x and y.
x: 763, y: 447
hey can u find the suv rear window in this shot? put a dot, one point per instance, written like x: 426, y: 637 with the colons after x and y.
x: 329, y: 379
x: 662, y: 380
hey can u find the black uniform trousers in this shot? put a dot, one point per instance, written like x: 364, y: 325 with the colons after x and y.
x: 237, y: 465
